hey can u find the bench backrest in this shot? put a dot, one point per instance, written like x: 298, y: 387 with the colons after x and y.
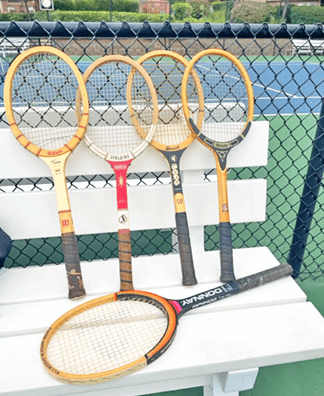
x: 33, y: 214
x: 301, y: 44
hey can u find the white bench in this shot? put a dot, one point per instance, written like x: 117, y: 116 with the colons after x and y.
x: 219, y: 346
x: 13, y: 45
x: 307, y: 47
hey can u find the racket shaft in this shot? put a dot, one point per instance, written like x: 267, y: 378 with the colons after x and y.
x: 69, y: 241
x: 234, y: 287
x: 187, y: 266
x: 124, y: 238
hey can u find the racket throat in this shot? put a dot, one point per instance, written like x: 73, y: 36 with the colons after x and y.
x: 222, y: 193
x: 176, y: 182
x: 120, y: 169
x: 57, y: 166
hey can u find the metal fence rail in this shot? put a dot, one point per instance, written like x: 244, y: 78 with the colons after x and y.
x: 288, y: 87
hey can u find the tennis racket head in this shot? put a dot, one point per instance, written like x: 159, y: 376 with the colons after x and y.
x: 114, y: 102
x: 228, y: 99
x: 166, y: 69
x: 39, y: 95
x: 112, y: 336
x: 117, y: 104
x: 173, y: 136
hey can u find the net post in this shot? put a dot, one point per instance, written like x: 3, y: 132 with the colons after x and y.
x: 308, y: 198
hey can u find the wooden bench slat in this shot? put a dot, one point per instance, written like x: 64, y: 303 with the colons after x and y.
x: 22, y: 313
x: 17, y: 162
x: 205, y: 344
x: 36, y: 216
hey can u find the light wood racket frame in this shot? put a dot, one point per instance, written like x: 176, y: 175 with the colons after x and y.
x: 220, y: 151
x: 56, y: 160
x: 121, y: 162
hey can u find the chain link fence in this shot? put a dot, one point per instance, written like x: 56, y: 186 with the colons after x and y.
x: 288, y: 87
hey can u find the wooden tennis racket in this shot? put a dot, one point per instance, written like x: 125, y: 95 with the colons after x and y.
x: 112, y: 336
x: 39, y: 96
x: 116, y: 105
x: 173, y: 136
x: 228, y: 112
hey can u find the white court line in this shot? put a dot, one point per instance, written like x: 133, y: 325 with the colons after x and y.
x: 285, y: 114
x: 272, y: 89
x: 285, y: 98
x: 253, y: 84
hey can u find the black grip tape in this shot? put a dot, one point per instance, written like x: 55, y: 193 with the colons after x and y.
x: 261, y: 278
x: 226, y: 252
x: 72, y: 264
x: 187, y: 266
x: 5, y: 246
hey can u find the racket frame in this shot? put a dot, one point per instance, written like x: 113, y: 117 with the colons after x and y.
x: 173, y: 311
x: 121, y: 162
x: 172, y: 154
x: 220, y: 151
x: 56, y: 160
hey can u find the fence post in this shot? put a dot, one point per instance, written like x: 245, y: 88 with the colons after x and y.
x: 308, y: 198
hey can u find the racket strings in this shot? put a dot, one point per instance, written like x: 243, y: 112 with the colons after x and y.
x: 110, y: 125
x: 166, y: 74
x: 226, y: 101
x: 43, y: 100
x: 107, y: 337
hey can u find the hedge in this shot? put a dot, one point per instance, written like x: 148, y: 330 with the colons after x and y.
x: 253, y: 12
x: 218, y: 5
x: 95, y: 16
x: 306, y: 14
x: 39, y: 16
x: 181, y: 10
x: 96, y: 5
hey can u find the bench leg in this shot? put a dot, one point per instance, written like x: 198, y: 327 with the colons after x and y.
x: 231, y: 383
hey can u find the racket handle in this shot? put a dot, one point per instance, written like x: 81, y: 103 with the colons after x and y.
x: 226, y: 252
x: 125, y: 260
x: 261, y: 278
x: 72, y: 264
x: 187, y: 266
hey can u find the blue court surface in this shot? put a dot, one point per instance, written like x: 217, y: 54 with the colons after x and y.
x: 285, y: 88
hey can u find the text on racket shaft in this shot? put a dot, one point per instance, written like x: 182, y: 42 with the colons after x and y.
x: 208, y: 297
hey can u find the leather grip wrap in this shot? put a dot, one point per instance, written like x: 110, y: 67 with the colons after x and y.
x: 261, y: 278
x: 125, y: 260
x: 226, y: 252
x: 187, y: 266
x: 72, y: 264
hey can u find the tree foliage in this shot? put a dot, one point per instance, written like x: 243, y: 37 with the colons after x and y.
x: 306, y: 14
x: 181, y: 10
x: 252, y: 12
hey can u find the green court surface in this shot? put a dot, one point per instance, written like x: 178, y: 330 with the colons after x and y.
x: 290, y: 146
